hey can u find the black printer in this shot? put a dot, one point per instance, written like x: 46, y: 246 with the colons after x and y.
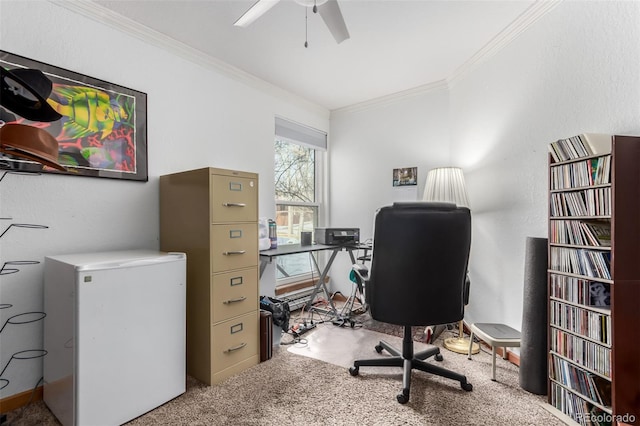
x: 331, y: 236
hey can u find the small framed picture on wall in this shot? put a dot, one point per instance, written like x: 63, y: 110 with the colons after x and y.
x: 405, y: 176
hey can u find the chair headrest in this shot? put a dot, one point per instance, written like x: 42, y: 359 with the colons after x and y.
x: 432, y: 205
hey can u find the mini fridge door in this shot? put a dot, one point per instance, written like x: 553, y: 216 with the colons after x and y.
x: 129, y: 337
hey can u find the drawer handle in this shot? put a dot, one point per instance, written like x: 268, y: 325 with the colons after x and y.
x: 230, y: 301
x: 240, y: 346
x: 234, y: 204
x: 231, y: 253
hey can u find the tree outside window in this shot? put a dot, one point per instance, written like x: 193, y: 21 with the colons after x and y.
x: 296, y: 202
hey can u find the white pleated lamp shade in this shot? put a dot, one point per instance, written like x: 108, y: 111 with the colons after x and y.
x: 446, y: 184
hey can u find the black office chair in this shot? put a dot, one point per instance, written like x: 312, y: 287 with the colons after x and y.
x: 418, y: 274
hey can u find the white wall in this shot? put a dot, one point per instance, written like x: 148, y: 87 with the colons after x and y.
x: 575, y: 70
x: 197, y: 117
x: 366, y: 145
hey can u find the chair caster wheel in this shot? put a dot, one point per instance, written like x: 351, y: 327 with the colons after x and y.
x: 466, y: 386
x: 354, y: 371
x: 379, y: 348
x: 403, y: 397
x: 438, y: 357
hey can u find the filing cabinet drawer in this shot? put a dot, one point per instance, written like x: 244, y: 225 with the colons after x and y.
x: 212, y: 215
x: 233, y: 199
x: 234, y: 246
x: 234, y: 341
x: 234, y: 293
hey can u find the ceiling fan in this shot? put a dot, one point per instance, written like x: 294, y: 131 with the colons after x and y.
x: 329, y: 11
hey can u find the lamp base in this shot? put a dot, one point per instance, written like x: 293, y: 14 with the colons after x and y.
x: 460, y: 345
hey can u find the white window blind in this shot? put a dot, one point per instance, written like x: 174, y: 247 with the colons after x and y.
x: 301, y: 134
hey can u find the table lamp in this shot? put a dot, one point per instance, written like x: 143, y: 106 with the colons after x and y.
x: 447, y: 184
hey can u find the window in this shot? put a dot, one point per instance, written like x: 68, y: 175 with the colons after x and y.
x: 298, y: 182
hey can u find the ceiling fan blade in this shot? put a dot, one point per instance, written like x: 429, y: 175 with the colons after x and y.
x: 257, y: 10
x: 332, y: 17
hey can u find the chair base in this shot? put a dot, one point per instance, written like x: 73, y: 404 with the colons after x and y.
x: 409, y: 361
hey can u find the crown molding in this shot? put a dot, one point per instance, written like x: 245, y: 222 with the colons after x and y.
x: 105, y: 16
x: 536, y: 11
x: 392, y: 98
x: 123, y: 24
x: 506, y: 36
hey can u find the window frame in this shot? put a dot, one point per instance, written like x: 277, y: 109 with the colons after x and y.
x: 319, y: 204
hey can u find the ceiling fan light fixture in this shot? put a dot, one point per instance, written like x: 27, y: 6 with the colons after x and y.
x: 310, y: 3
x: 254, y: 12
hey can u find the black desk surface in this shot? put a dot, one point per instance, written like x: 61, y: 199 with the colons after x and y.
x: 286, y: 249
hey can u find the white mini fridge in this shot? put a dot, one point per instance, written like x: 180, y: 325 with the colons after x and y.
x: 114, y: 334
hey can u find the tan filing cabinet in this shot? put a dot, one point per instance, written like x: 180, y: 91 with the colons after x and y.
x: 212, y: 216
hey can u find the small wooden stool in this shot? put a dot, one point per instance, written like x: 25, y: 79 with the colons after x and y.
x: 496, y: 335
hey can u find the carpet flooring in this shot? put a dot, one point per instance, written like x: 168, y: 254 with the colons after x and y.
x: 297, y: 389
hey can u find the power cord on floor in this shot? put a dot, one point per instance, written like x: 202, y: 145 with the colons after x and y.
x: 300, y: 326
x: 295, y: 340
x: 319, y: 309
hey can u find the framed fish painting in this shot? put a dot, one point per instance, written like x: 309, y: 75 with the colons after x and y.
x: 100, y: 128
